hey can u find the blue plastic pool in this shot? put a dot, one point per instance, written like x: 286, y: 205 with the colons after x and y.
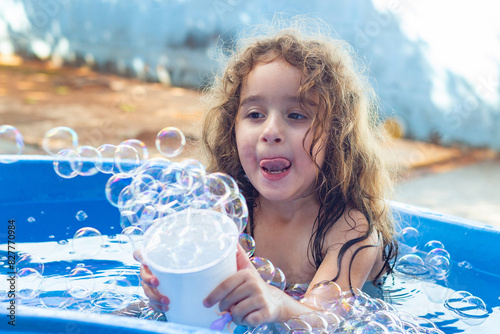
x: 31, y: 188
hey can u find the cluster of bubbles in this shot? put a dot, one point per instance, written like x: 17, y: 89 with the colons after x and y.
x: 433, y: 264
x: 71, y: 160
x: 348, y: 311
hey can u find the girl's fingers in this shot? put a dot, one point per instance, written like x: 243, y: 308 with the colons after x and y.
x: 223, y: 289
x: 242, y: 260
x: 138, y: 255
x: 245, y: 312
x: 148, y: 278
x: 156, y: 300
x: 236, y: 296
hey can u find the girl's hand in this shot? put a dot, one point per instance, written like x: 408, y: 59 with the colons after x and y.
x: 149, y: 284
x: 250, y: 300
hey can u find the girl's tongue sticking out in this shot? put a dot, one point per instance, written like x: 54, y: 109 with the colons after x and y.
x: 275, y: 165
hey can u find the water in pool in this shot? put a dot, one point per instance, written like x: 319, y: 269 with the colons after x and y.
x: 86, y: 263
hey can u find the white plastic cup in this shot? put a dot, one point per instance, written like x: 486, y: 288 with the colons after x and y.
x: 187, y: 287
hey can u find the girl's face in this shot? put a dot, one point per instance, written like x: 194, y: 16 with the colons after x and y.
x: 270, y: 129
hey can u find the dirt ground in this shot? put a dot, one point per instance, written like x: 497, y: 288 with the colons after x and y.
x: 107, y: 109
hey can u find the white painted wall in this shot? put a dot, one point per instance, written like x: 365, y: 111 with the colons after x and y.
x: 436, y: 65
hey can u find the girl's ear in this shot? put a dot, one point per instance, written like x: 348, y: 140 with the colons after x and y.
x: 242, y: 260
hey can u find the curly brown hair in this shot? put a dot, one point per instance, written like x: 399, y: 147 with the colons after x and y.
x: 353, y: 173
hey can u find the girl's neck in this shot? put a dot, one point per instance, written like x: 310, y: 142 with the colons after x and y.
x: 300, y: 210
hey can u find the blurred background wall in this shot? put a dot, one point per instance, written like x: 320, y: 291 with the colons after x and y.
x: 435, y: 65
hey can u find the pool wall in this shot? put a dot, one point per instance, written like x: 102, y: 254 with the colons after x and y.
x: 29, y: 188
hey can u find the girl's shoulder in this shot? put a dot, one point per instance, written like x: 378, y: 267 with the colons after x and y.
x: 351, y: 225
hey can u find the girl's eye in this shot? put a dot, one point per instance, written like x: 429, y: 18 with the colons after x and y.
x: 255, y: 115
x: 296, y: 116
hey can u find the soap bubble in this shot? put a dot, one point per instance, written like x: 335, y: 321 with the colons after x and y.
x: 248, y: 243
x: 409, y: 236
x: 333, y: 320
x: 261, y: 329
x: 297, y: 291
x: 127, y: 282
x: 89, y: 155
x: 127, y: 159
x: 135, y: 235
x: 439, y: 267
x: 67, y: 163
x: 438, y: 263
x: 58, y: 139
x: 110, y: 301
x: 153, y: 167
x: 82, y: 283
x: 324, y: 295
x: 28, y: 282
x: 264, y: 267
x: 437, y: 252
x: 105, y: 162
x: 11, y: 144
x: 170, y: 142
x: 170, y: 200
x: 216, y: 190
x: 354, y: 303
x: 236, y: 208
x: 472, y: 310
x: 53, y: 291
x: 411, y: 265
x: 81, y: 215
x: 433, y: 244
x: 316, y: 321
x: 410, y: 327
x: 27, y: 260
x: 177, y: 178
x: 128, y: 218
x: 88, y: 241
x: 115, y: 185
x: 279, y: 279
x: 126, y: 198
x: 453, y: 302
x: 139, y: 146
x: 144, y: 183
x: 297, y: 323
x: 281, y: 328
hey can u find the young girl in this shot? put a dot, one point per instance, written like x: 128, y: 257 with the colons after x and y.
x: 292, y: 121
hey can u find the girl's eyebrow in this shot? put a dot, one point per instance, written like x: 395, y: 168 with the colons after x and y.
x: 290, y: 98
x: 251, y: 98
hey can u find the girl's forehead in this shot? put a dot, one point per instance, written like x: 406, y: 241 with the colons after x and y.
x: 276, y: 76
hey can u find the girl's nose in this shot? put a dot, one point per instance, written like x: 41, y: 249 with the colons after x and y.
x: 273, y: 131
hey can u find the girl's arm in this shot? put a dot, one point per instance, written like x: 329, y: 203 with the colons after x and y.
x: 368, y: 259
